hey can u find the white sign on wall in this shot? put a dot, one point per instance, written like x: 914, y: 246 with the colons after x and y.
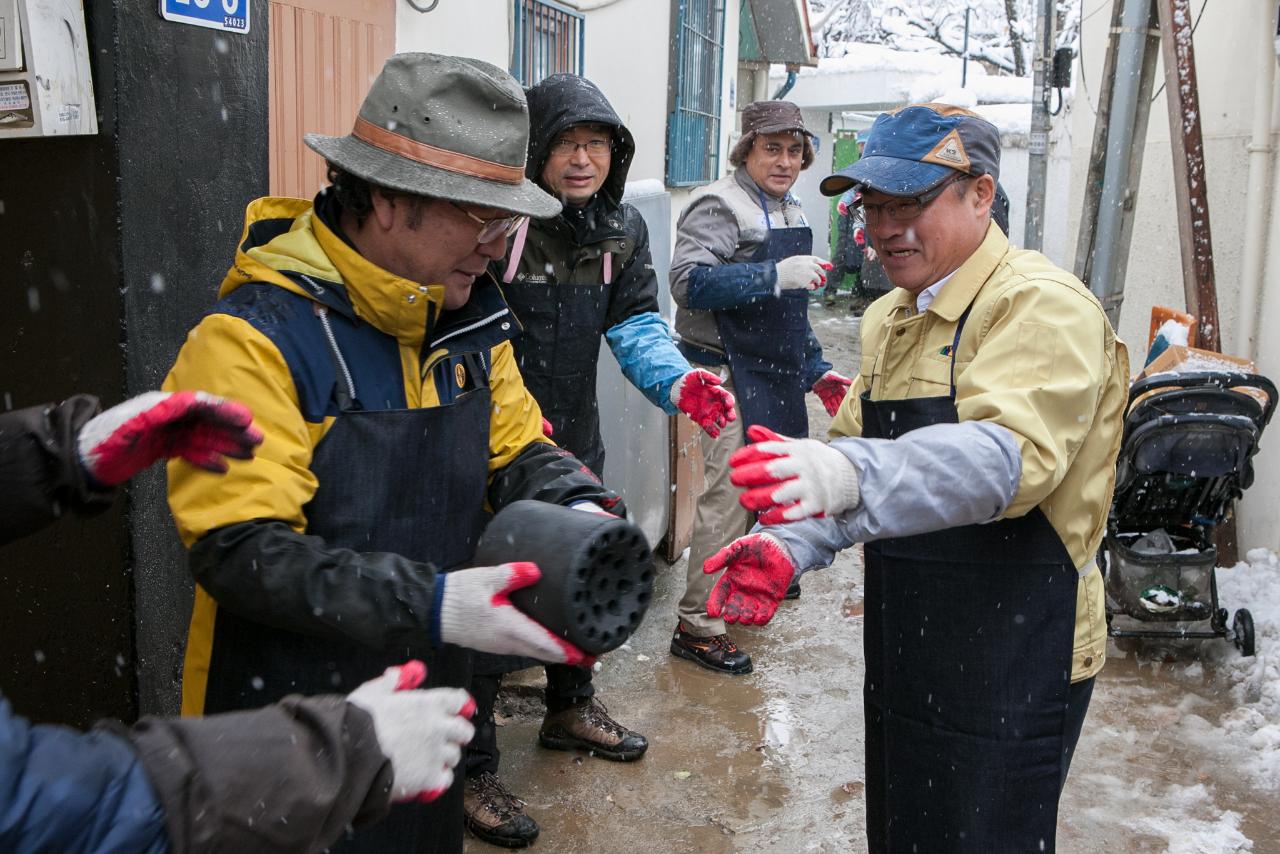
x: 231, y: 16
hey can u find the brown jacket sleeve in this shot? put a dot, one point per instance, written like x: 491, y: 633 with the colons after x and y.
x: 286, y: 778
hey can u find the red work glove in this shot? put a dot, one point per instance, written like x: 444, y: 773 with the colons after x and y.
x: 202, y: 429
x: 476, y: 612
x: 793, y: 478
x: 547, y: 429
x: 757, y: 572
x: 831, y: 389
x: 421, y: 732
x: 698, y: 394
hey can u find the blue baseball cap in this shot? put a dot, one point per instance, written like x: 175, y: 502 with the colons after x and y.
x: 912, y: 150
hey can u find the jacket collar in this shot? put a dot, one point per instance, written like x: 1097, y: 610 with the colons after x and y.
x: 753, y: 189
x: 959, y: 292
x: 286, y: 243
x: 597, y: 221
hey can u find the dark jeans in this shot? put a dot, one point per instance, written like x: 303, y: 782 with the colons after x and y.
x: 566, y: 686
x: 1078, y: 696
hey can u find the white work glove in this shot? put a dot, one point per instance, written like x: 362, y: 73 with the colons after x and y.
x: 698, y: 395
x: 201, y: 428
x: 476, y: 612
x: 421, y: 732
x: 793, y: 479
x: 801, y: 272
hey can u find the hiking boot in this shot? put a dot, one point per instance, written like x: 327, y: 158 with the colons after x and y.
x: 587, y: 726
x: 717, y: 652
x: 793, y: 590
x: 495, y: 815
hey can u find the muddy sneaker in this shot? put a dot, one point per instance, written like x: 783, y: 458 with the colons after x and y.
x: 588, y: 727
x: 495, y: 815
x: 717, y: 652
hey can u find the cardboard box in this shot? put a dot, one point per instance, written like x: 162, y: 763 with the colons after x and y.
x: 1181, y: 360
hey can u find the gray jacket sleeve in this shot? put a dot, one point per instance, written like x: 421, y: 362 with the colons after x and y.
x: 706, y: 236
x: 937, y: 477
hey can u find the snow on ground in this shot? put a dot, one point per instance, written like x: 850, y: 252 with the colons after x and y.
x: 1248, y: 734
x: 1183, y: 816
x: 1181, y: 751
x: 1251, y: 732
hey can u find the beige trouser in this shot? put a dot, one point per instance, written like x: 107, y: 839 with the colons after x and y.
x: 719, y: 520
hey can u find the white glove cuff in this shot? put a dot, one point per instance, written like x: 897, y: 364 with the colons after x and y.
x: 846, y: 476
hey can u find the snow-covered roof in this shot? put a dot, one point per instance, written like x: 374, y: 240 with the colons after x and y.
x: 872, y: 77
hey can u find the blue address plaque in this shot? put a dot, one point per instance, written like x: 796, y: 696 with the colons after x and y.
x: 230, y: 16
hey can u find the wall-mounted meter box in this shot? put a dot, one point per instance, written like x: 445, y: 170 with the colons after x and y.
x: 45, y: 84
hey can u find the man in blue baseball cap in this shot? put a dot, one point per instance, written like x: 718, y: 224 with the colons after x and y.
x: 975, y: 456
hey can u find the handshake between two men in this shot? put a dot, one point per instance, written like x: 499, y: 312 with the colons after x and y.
x: 785, y: 480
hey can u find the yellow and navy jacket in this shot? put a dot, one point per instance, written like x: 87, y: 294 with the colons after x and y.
x: 1041, y: 383
x: 263, y: 344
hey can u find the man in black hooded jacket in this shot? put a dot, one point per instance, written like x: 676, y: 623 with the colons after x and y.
x: 571, y: 280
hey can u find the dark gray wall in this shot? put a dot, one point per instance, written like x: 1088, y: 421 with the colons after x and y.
x: 193, y: 158
x: 112, y: 247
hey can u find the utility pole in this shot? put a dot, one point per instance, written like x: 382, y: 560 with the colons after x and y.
x: 1038, y: 161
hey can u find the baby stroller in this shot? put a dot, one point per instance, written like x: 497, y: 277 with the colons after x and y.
x: 1189, y: 441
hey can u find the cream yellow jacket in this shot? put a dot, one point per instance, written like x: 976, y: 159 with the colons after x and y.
x: 1041, y: 383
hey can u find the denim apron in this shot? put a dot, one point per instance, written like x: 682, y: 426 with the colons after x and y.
x: 968, y: 638
x: 765, y: 342
x: 408, y: 481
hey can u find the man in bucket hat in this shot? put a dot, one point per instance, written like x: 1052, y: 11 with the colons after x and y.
x: 364, y: 333
x: 741, y: 275
x: 976, y: 460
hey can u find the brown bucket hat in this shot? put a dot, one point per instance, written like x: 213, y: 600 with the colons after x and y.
x: 446, y: 127
x: 766, y: 117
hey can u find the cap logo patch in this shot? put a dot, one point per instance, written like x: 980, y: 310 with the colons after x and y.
x: 949, y: 152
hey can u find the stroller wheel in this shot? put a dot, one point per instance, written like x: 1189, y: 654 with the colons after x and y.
x: 1242, y: 629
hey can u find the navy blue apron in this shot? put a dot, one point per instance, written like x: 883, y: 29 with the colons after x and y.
x: 765, y: 342
x: 409, y: 481
x: 968, y: 638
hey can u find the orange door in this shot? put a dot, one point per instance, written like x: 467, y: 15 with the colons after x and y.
x: 323, y: 55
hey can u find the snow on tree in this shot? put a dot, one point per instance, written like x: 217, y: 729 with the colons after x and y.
x: 1001, y: 32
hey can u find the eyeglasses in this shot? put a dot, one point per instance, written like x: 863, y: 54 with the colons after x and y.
x: 492, y: 228
x: 906, y: 209
x: 568, y: 148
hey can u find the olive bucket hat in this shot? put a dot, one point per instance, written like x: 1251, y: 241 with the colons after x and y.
x: 447, y: 127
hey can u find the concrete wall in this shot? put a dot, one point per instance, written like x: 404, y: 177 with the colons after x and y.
x: 1227, y: 50
x: 627, y: 51
x: 476, y: 28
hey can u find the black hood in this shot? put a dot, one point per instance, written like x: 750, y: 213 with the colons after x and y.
x: 564, y: 100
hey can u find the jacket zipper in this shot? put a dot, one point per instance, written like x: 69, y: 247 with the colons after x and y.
x: 323, y: 314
